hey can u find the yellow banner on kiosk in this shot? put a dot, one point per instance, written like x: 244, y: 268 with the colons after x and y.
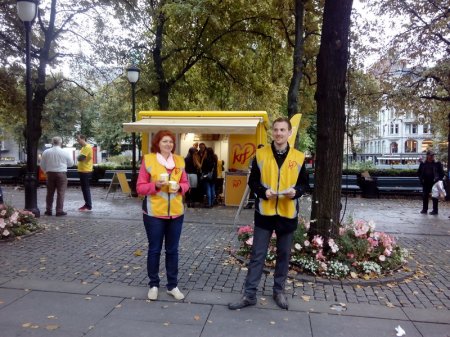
x: 295, y: 122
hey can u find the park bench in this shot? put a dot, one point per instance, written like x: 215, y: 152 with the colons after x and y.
x: 349, y: 183
x: 399, y: 185
x: 11, y: 174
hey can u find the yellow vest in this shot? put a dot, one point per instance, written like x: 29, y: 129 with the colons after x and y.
x: 164, y: 203
x: 279, y: 180
x: 86, y: 165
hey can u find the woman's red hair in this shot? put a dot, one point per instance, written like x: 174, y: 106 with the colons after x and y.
x: 157, y: 138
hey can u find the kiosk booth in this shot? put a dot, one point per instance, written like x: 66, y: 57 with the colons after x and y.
x: 234, y: 136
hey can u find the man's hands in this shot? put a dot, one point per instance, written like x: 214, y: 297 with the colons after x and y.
x: 271, y: 194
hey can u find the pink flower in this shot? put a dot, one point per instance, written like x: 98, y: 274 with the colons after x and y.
x: 334, y: 247
x: 350, y: 255
x: 320, y: 256
x: 342, y: 231
x: 245, y: 230
x: 317, y: 241
x: 306, y: 243
x: 2, y: 223
x: 387, y: 252
x: 372, y: 242
x: 249, y: 241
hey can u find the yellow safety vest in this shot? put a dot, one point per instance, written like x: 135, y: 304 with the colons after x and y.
x: 279, y: 180
x: 164, y: 203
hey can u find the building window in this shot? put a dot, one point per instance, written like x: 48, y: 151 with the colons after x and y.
x: 411, y: 146
x: 396, y: 129
x: 391, y: 131
x: 414, y: 128
x: 394, y: 147
x: 426, y: 128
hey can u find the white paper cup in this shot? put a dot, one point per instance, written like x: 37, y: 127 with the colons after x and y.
x: 173, y: 186
x: 164, y: 177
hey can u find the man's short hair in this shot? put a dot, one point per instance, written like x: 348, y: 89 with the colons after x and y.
x: 82, y: 137
x: 283, y: 119
x: 56, y: 141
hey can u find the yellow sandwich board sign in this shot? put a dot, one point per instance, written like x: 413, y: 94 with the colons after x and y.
x: 119, y: 179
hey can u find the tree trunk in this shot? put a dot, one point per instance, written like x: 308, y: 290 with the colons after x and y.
x: 330, y: 97
x: 297, y: 73
x: 163, y: 86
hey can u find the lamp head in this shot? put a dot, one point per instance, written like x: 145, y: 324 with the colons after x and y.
x: 26, y: 9
x: 133, y: 73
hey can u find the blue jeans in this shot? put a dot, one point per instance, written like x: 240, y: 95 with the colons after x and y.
x: 210, y: 190
x: 261, y: 239
x: 84, y: 182
x: 158, y: 230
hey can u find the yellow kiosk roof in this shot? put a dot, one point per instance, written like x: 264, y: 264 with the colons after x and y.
x: 205, y: 122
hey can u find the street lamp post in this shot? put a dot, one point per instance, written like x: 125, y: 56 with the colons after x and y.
x: 133, y: 77
x: 26, y: 9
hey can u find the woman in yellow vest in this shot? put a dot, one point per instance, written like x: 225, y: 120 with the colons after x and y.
x: 163, y: 181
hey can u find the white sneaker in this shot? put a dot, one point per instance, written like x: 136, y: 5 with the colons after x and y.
x: 176, y: 293
x: 153, y: 293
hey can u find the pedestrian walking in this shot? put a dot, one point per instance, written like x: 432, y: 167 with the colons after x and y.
x: 277, y: 179
x: 163, y: 181
x: 85, y: 168
x: 430, y: 172
x: 54, y: 163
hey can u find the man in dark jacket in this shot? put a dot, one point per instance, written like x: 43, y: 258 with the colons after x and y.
x: 277, y: 181
x: 430, y: 172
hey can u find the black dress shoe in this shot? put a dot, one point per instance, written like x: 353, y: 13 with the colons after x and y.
x: 48, y: 213
x: 424, y: 211
x: 281, y: 300
x: 244, y: 302
x: 433, y: 213
x: 61, y: 213
x: 248, y: 206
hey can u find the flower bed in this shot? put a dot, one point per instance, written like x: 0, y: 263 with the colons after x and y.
x: 358, y: 251
x: 15, y: 222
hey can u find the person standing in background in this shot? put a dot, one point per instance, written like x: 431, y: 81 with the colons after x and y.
x: 430, y: 172
x: 85, y: 168
x: 54, y: 163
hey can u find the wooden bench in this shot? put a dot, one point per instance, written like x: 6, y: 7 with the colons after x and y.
x: 349, y: 183
x: 12, y: 174
x: 399, y: 185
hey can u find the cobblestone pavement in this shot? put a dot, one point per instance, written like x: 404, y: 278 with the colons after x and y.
x: 109, y: 246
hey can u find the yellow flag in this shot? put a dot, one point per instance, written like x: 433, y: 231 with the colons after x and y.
x: 295, y: 121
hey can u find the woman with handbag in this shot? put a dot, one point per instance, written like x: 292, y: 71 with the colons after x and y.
x: 163, y: 181
x: 209, y: 176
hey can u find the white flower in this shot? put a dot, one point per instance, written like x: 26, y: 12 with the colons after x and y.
x: 306, y: 243
x: 2, y: 223
x: 382, y: 258
x: 298, y: 246
x: 5, y: 232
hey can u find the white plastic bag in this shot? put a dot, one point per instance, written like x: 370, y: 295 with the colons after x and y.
x: 438, y: 191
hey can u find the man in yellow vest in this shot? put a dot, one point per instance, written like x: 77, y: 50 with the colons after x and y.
x: 277, y: 177
x: 85, y: 168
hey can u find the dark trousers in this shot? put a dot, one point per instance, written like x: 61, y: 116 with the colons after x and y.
x: 261, y: 239
x: 425, y: 196
x: 85, y: 188
x: 158, y: 230
x: 56, y: 181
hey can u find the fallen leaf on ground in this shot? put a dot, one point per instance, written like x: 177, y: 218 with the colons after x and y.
x: 137, y: 252
x: 272, y: 322
x: 196, y: 317
x: 306, y: 298
x: 52, y: 317
x: 51, y: 327
x: 88, y: 298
